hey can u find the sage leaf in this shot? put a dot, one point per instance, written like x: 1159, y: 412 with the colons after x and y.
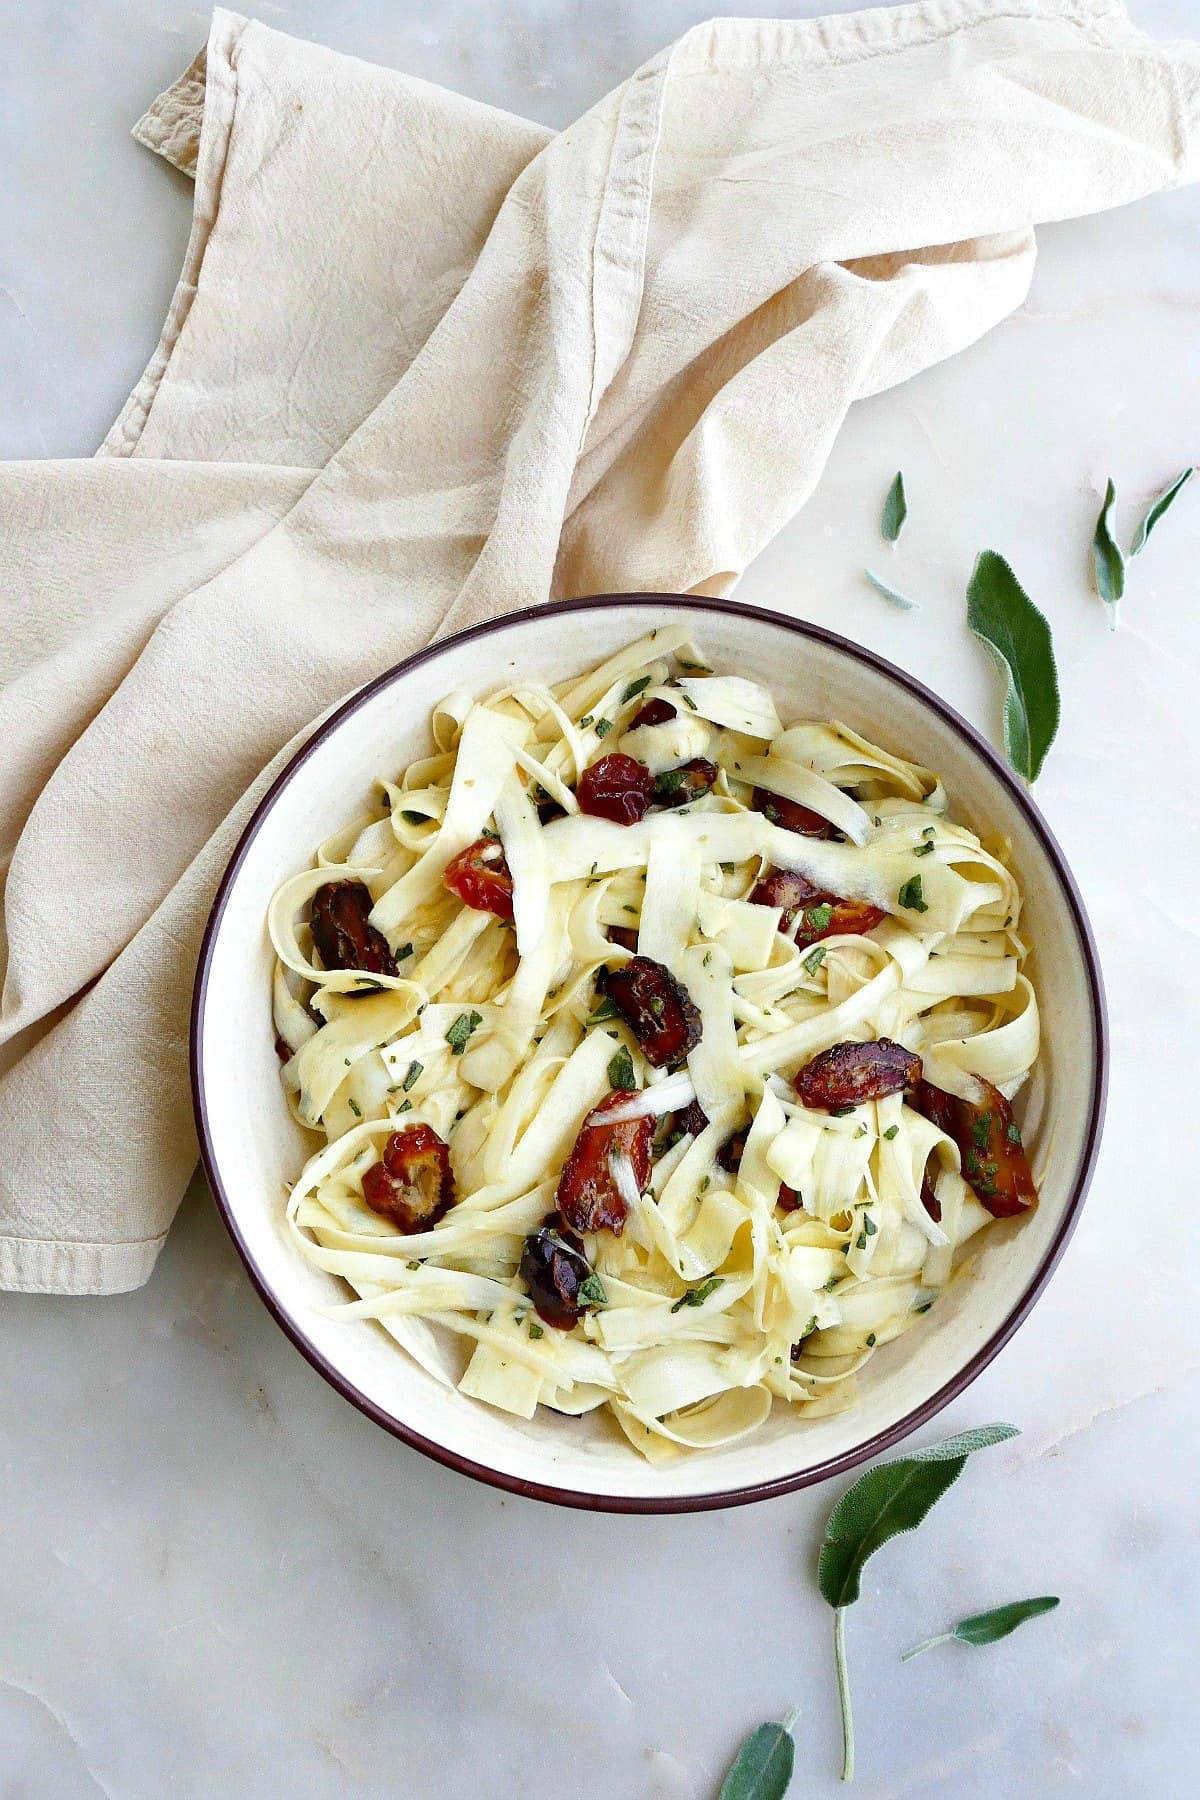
x: 457, y: 1034
x: 1107, y: 559
x: 1017, y: 635
x: 890, y: 593
x: 889, y: 1499
x: 989, y: 1627
x: 762, y: 1768
x: 895, y: 510
x: 1157, y: 510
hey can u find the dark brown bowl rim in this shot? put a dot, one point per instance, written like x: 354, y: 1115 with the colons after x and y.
x: 883, y: 1440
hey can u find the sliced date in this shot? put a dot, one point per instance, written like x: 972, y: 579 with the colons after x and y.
x: 655, y: 712
x: 554, y: 1268
x: 658, y: 1010
x: 413, y: 1185
x: 690, y: 781
x: 342, y: 933
x: 588, y: 1196
x: 809, y: 913
x: 480, y: 877
x: 850, y: 1073
x: 790, y: 814
x: 617, y: 787
x: 994, y: 1163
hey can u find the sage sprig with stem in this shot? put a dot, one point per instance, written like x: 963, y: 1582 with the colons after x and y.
x: 889, y: 1499
x: 988, y: 1627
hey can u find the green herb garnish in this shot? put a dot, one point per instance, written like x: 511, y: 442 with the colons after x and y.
x: 1002, y: 615
x: 910, y: 895
x: 891, y: 1131
x: 1108, y: 562
x: 414, y: 1074
x: 817, y: 918
x: 1012, y: 1132
x: 890, y: 593
x: 922, y: 849
x: 762, y: 1769
x: 989, y: 1627
x: 460, y: 1031
x: 891, y: 1498
x: 603, y: 727
x: 1157, y: 510
x: 355, y: 1108
x: 895, y: 510
x: 698, y: 1295
x: 535, y: 1331
x: 585, y: 721
x: 620, y: 1071
x: 688, y: 701
x: 604, y: 1010
x: 635, y: 688
x: 813, y: 960
x: 592, y: 1291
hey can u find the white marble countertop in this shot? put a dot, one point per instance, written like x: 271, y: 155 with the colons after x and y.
x: 216, y: 1578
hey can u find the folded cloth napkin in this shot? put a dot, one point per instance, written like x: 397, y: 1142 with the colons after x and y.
x: 426, y: 363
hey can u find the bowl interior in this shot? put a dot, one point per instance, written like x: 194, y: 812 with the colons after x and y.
x: 252, y: 1146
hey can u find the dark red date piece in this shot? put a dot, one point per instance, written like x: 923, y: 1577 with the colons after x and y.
x: 617, y: 787
x: 479, y: 876
x: 790, y: 814
x: 690, y: 781
x: 658, y: 1010
x: 994, y: 1163
x: 810, y: 914
x: 655, y: 712
x: 339, y: 921
x: 588, y: 1197
x: 848, y: 1074
x: 554, y: 1268
x: 413, y: 1185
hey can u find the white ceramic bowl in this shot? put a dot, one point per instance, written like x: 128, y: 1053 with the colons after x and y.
x: 251, y: 1146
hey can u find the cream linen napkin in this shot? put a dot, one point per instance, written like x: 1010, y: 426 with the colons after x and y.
x: 427, y: 363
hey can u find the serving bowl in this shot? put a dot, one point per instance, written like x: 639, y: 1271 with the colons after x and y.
x: 252, y: 1147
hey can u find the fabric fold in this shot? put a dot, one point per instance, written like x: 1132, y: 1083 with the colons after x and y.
x: 428, y: 362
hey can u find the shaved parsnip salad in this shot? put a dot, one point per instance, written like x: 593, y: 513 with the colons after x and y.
x: 663, y: 1053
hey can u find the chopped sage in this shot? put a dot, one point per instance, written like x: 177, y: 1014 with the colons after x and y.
x: 458, y: 1033
x: 698, y: 1295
